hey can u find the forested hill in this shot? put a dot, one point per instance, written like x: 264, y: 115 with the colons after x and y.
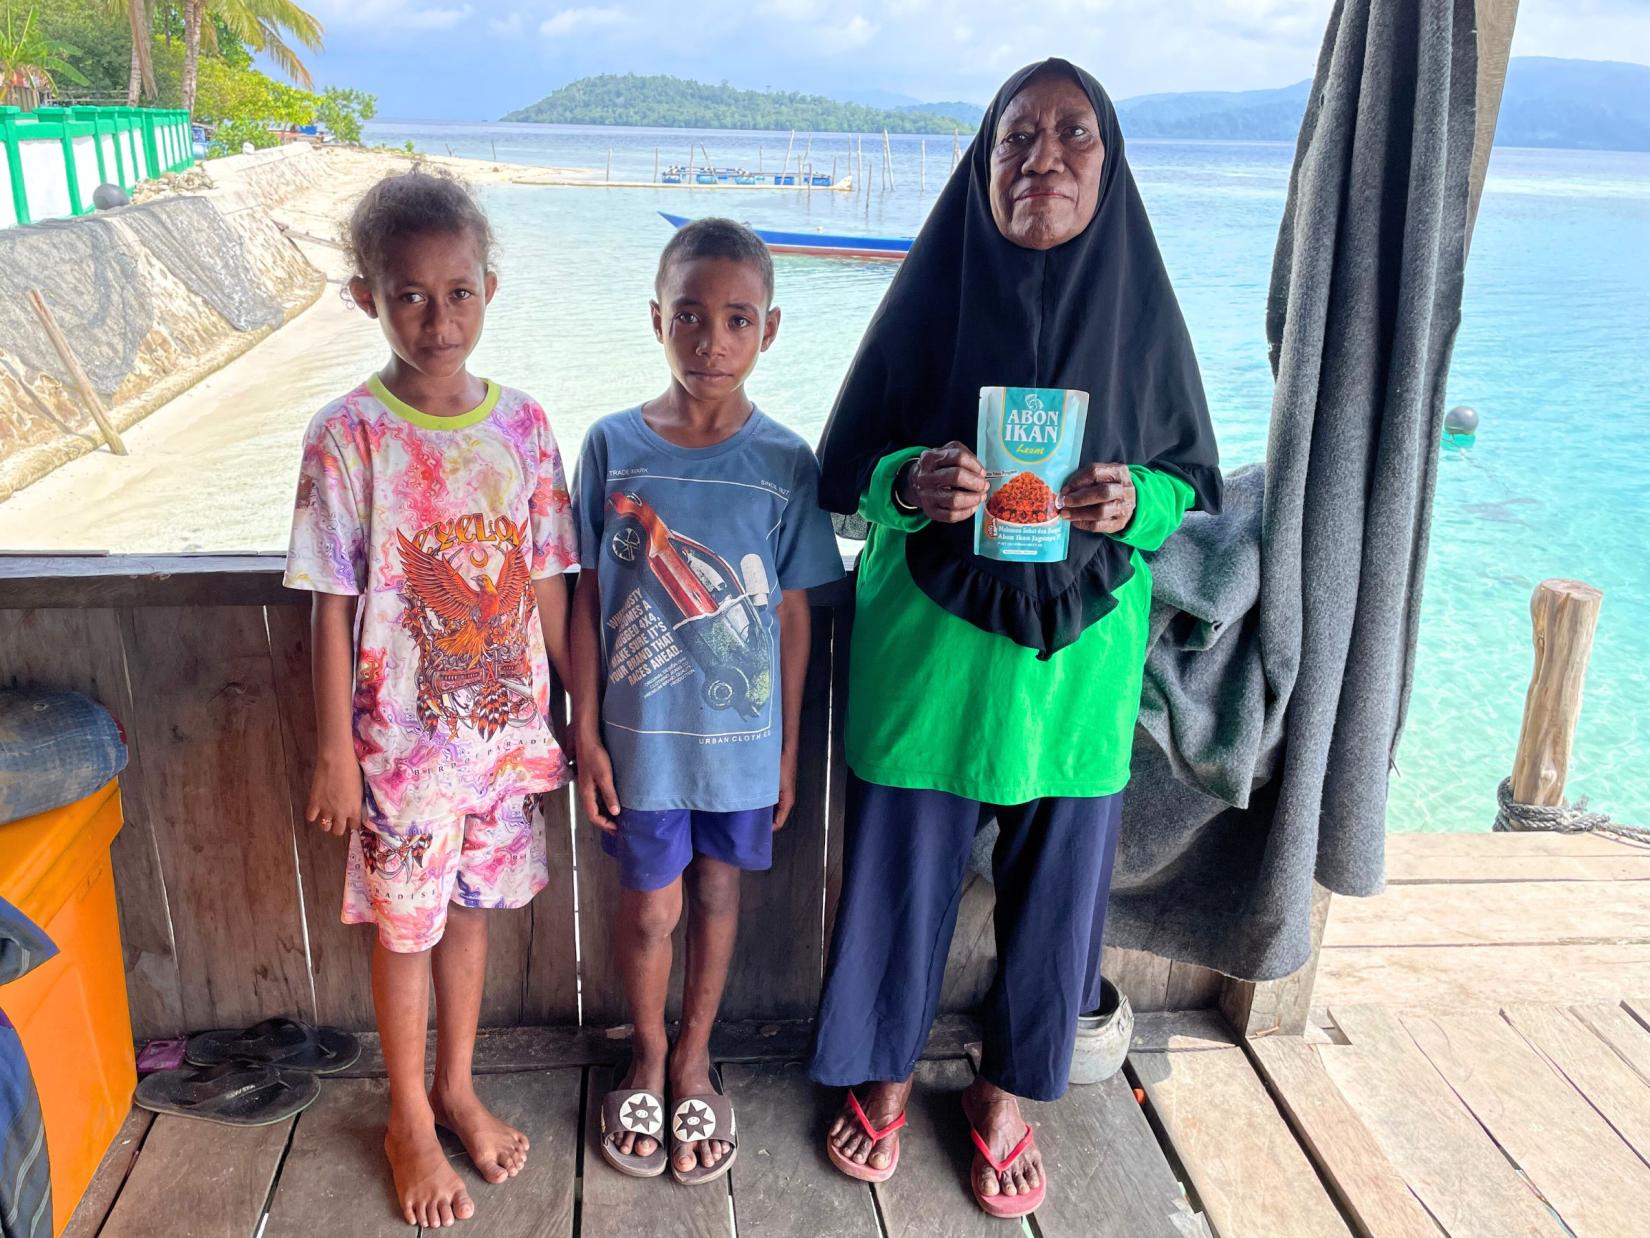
x: 676, y: 103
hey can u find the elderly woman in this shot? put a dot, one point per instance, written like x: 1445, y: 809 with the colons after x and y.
x: 979, y: 686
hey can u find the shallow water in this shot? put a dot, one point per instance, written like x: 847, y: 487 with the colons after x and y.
x: 1555, y: 335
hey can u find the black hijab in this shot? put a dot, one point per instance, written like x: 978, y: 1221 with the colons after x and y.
x: 970, y: 309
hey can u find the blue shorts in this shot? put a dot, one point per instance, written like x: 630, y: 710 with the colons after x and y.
x: 653, y: 847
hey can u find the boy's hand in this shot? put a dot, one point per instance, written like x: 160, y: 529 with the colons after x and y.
x: 335, y: 793
x: 787, y: 788
x: 596, y: 789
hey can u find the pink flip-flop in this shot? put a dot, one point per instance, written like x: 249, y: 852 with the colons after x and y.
x: 865, y: 1173
x: 1023, y: 1204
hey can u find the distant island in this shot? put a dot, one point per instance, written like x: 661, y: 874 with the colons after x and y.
x: 1569, y: 104
x: 676, y: 103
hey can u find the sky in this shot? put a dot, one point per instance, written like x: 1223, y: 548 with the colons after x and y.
x: 477, y: 59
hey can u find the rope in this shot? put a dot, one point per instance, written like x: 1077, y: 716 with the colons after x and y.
x: 1562, y: 818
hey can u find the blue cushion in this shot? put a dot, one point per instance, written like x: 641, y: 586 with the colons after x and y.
x: 55, y: 748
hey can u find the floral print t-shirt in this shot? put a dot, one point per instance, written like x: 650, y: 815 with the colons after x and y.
x: 440, y: 525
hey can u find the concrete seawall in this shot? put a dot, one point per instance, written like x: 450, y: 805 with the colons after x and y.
x: 152, y: 298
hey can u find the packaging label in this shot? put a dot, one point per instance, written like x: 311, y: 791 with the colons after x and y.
x: 1030, y: 439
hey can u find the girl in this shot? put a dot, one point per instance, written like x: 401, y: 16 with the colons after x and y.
x: 433, y: 526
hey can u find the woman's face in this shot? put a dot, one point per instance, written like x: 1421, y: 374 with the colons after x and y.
x: 1045, y: 165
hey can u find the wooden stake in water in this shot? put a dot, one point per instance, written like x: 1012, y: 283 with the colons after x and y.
x: 956, y: 151
x: 494, y: 145
x: 759, y: 159
x: 887, y: 160
x: 609, y: 163
x: 924, y: 173
x: 655, y: 165
x: 784, y: 167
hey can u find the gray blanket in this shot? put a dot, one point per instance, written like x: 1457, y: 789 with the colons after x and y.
x: 1284, y: 635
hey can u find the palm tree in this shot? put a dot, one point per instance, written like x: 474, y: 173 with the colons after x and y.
x: 30, y: 63
x: 263, y: 25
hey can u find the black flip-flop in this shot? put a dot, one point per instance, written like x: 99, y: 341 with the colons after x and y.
x: 234, y: 1093
x: 282, y: 1042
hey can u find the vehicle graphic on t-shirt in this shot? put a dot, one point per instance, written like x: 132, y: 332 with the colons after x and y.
x: 711, y: 610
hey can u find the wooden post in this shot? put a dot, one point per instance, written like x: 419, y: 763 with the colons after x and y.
x: 782, y: 167
x: 1564, y: 614
x: 655, y: 165
x: 609, y: 163
x: 1277, y: 1007
x: 87, y: 395
x: 494, y: 145
x: 924, y: 172
x: 887, y: 161
x: 759, y: 159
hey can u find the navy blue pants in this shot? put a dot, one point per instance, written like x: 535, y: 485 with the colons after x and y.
x: 904, y: 859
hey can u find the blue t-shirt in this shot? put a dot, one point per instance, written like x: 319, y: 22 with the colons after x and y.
x: 693, y: 548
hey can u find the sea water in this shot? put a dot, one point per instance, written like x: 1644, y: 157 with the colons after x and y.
x: 1553, y: 345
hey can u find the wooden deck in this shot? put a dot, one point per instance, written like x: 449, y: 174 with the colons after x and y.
x: 1482, y: 921
x: 1534, y: 1120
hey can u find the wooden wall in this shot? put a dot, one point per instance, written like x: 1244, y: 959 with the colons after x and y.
x: 229, y: 902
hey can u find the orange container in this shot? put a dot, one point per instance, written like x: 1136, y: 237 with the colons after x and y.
x: 71, y: 1010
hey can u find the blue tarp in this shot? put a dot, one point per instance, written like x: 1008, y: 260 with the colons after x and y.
x: 25, y: 1172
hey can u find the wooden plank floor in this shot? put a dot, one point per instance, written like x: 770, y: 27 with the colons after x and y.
x: 1523, y: 1121
x: 1480, y: 921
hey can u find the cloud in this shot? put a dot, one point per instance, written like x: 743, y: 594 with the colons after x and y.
x: 854, y: 33
x: 396, y: 14
x: 569, y: 20
x: 507, y: 26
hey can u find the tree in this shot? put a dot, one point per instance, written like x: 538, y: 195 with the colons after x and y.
x: 31, y: 62
x: 262, y: 25
x: 341, y: 111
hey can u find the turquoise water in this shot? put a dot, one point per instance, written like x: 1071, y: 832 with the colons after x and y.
x: 1555, y: 333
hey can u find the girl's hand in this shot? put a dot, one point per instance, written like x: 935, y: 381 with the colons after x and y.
x: 1099, y: 498
x: 335, y: 793
x: 596, y: 790
x: 947, y: 483
x: 787, y: 788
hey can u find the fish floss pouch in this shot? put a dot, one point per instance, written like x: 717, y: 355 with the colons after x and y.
x: 1030, y: 439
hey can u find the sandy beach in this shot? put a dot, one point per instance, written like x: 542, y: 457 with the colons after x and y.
x: 103, y: 502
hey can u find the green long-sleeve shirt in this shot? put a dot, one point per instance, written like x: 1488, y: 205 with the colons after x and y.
x: 936, y: 703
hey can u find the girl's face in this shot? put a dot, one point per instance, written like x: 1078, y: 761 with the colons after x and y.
x: 713, y: 318
x: 431, y: 299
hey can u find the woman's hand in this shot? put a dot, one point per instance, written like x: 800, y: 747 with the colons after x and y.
x: 1099, y: 498
x: 947, y: 483
x: 335, y: 793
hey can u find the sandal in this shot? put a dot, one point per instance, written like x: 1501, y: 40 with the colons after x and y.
x: 707, y: 1115
x: 641, y: 1113
x: 866, y: 1172
x: 999, y: 1205
x: 286, y: 1043
x: 234, y: 1093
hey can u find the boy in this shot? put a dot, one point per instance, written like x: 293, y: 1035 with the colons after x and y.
x: 701, y: 532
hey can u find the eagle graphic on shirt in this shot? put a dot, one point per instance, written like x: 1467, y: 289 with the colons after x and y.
x: 472, y: 634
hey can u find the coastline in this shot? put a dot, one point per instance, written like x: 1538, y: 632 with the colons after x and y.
x: 64, y: 489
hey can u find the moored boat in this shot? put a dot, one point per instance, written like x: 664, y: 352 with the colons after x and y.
x: 822, y: 244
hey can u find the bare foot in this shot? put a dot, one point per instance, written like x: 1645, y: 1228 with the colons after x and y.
x: 647, y: 1074
x: 690, y: 1076
x: 882, y: 1102
x: 996, y: 1115
x: 430, y: 1193
x: 498, y: 1151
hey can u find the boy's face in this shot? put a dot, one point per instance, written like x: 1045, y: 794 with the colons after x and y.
x: 714, y: 320
x: 431, y: 299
